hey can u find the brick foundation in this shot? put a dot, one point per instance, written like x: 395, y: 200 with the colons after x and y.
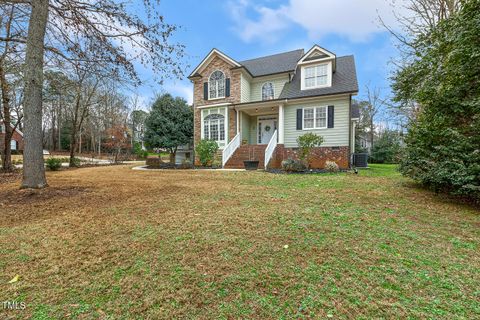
x: 319, y: 156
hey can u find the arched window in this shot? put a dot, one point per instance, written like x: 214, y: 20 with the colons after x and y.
x: 216, y: 85
x: 267, y: 91
x: 214, y: 127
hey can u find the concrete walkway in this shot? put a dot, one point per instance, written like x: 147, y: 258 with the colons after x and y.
x: 145, y: 168
x: 89, y: 161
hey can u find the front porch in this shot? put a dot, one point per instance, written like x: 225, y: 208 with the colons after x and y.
x: 258, y: 131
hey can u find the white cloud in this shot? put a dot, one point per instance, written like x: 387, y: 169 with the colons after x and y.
x: 266, y: 27
x: 181, y: 90
x: 357, y: 20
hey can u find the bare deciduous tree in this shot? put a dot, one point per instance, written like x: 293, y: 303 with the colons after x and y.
x: 118, y: 35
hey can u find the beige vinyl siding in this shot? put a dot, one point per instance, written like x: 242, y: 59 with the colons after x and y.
x: 256, y: 86
x: 246, y: 123
x: 244, y: 89
x: 336, y: 136
x: 253, y: 130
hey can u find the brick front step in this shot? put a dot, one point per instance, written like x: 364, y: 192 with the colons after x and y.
x: 247, y: 152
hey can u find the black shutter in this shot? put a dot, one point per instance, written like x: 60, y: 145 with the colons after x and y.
x: 330, y: 116
x: 227, y: 87
x: 205, y: 91
x: 299, y: 119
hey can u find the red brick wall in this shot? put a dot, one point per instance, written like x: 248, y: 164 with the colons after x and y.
x: 319, y: 156
x: 235, y: 80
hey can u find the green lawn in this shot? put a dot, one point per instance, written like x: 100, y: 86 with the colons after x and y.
x: 114, y: 243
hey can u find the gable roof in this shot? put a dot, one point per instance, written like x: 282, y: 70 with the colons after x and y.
x: 276, y: 63
x: 13, y: 127
x: 316, y: 52
x: 344, y: 80
x: 212, y: 52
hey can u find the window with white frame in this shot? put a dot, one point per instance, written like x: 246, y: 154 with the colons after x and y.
x: 315, y: 76
x: 13, y: 145
x: 214, y: 125
x: 315, y: 118
x: 216, y: 85
x: 268, y: 91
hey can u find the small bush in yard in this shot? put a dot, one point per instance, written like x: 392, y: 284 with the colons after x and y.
x: 53, y: 163
x: 206, y: 150
x: 306, y: 143
x: 331, y: 166
x: 291, y: 165
x: 76, y: 162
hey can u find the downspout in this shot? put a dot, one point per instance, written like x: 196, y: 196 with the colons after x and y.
x: 350, y: 155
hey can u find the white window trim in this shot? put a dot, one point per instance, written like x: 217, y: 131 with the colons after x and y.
x: 273, y: 89
x: 315, y: 118
x: 226, y: 122
x: 224, y: 86
x: 329, y: 76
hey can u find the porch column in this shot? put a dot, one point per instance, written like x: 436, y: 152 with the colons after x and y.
x: 238, y: 121
x: 280, y: 124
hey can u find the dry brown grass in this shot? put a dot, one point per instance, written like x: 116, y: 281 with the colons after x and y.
x: 111, y: 242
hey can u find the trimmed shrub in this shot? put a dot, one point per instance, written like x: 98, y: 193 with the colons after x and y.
x: 331, y: 166
x: 206, y: 150
x: 291, y: 165
x: 53, y: 163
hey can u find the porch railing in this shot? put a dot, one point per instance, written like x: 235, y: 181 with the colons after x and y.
x: 272, y: 144
x: 230, y: 149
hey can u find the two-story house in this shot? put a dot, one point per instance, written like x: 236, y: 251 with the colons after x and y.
x: 256, y: 109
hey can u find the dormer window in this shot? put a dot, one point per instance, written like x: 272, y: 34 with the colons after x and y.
x: 216, y: 85
x: 268, y: 91
x: 316, y: 76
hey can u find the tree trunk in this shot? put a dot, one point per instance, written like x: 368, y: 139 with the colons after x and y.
x: 173, y: 154
x: 33, y: 166
x: 54, y: 130
x: 7, y: 147
x: 372, y: 134
x: 73, y: 145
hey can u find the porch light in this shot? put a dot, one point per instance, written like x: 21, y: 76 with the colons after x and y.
x: 256, y: 109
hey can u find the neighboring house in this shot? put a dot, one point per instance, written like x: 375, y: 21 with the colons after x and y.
x: 363, y: 139
x: 256, y: 109
x: 16, y: 142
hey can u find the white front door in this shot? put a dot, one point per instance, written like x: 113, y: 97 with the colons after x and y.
x: 266, y: 128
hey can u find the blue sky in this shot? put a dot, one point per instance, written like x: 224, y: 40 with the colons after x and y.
x: 246, y: 29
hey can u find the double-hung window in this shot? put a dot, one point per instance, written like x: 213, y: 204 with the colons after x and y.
x: 315, y: 76
x: 315, y: 118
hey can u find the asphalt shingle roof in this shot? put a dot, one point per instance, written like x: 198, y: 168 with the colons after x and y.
x: 344, y: 80
x: 277, y: 63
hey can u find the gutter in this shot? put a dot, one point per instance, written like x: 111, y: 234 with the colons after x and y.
x: 286, y: 100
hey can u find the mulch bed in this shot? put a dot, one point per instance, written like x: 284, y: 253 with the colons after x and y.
x: 311, y: 171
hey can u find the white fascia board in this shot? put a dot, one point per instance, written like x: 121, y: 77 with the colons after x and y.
x: 212, y: 52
